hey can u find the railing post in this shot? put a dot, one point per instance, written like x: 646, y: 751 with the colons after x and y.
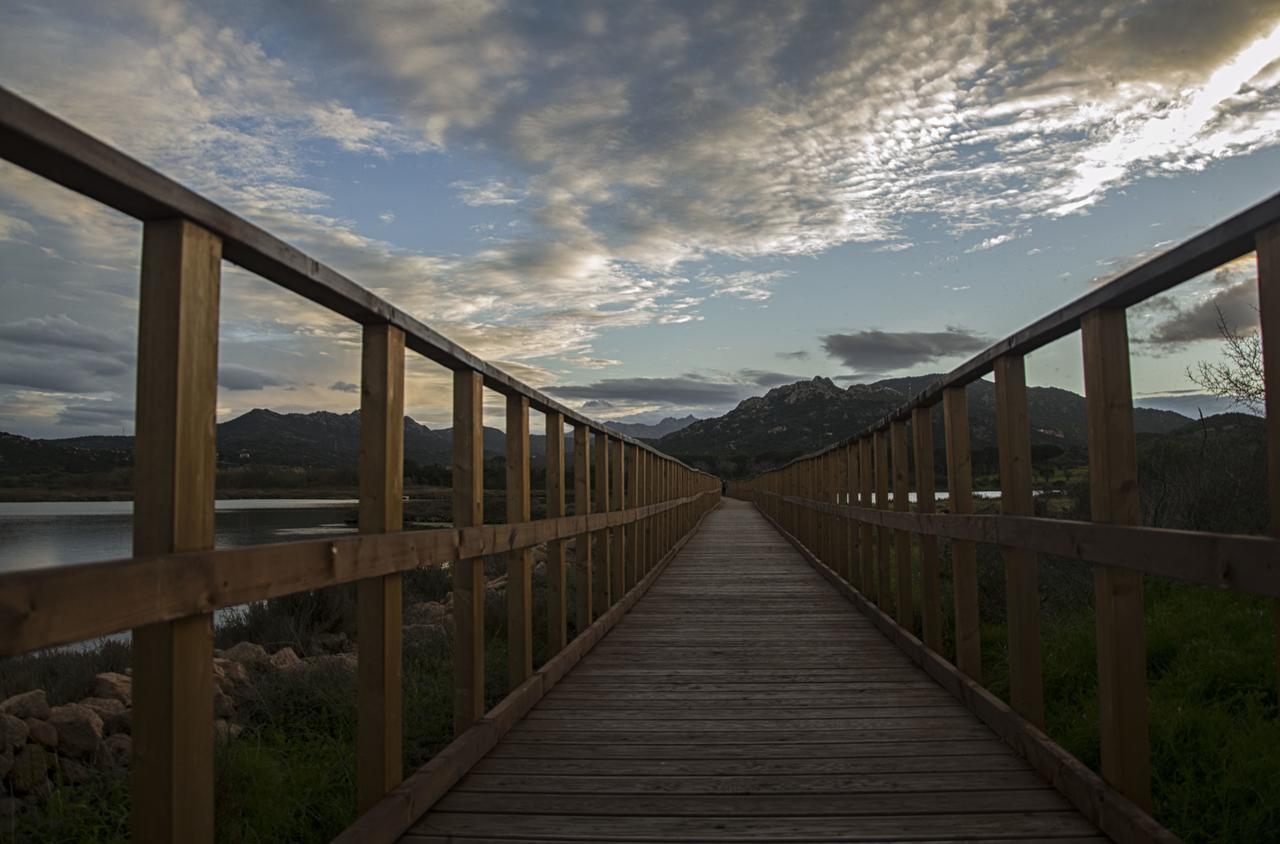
x: 519, y: 562
x: 964, y: 560
x: 930, y: 588
x: 618, y: 553
x: 1113, y: 495
x: 1022, y: 591
x: 902, y: 538
x: 852, y: 475
x: 866, y: 538
x: 557, y: 633
x: 379, y: 767
x: 583, y: 589
x: 882, y: 533
x: 468, y: 574
x: 1268, y: 246
x: 174, y: 466
x: 602, y: 597
x: 632, y: 545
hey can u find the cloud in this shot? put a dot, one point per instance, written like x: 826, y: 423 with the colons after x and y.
x: 799, y: 354
x: 889, y: 351
x: 1233, y: 299
x: 232, y: 377
x: 95, y: 415
x: 765, y: 378
x: 344, y: 387
x: 387, y: 217
x: 491, y: 192
x: 690, y: 390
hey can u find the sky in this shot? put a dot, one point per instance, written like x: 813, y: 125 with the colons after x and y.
x: 644, y: 209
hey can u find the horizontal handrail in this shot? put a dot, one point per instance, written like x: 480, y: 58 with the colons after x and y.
x: 50, y: 147
x: 41, y: 608
x: 1221, y: 560
x: 1208, y: 250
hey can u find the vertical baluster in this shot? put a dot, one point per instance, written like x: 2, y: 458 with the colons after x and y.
x: 964, y: 560
x: 602, y: 596
x: 468, y: 574
x: 379, y: 602
x: 883, y: 593
x: 1268, y: 245
x: 174, y: 466
x: 519, y: 589
x: 583, y: 589
x: 617, y: 555
x: 852, y: 476
x: 633, y: 496
x: 902, y: 538
x: 866, y: 533
x: 1013, y: 430
x: 556, y: 623
x: 1113, y: 495
x: 930, y: 588
x: 636, y: 491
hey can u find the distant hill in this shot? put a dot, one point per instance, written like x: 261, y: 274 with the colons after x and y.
x: 654, y: 431
x: 798, y: 418
x: 320, y: 440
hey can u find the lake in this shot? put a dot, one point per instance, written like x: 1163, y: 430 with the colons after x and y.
x: 34, y: 534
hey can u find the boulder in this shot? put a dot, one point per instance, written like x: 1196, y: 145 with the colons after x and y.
x: 497, y: 583
x: 104, y: 706
x: 74, y: 772
x: 233, y: 672
x: 248, y: 653
x: 30, y: 769
x: 6, y: 762
x: 79, y: 729
x: 224, y: 731
x: 42, y: 733
x: 13, y: 732
x: 118, y: 722
x: 285, y: 659
x: 114, y: 752
x: 32, y: 704
x: 224, y: 706
x: 114, y: 687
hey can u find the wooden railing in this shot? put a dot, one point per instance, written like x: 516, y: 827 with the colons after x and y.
x: 826, y: 501
x: 167, y: 592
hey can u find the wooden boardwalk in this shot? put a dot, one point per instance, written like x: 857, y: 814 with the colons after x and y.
x: 743, y: 699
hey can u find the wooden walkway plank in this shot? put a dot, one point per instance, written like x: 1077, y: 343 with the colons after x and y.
x: 745, y: 700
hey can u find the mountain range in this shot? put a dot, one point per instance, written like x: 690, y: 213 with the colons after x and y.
x: 798, y: 418
x: 761, y: 431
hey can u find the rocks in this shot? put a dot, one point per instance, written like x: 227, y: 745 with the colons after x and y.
x: 224, y: 731
x: 74, y: 772
x: 6, y: 762
x: 29, y: 773
x: 119, y: 722
x: 104, y: 706
x: 285, y: 659
x: 248, y: 653
x: 32, y: 704
x: 42, y: 733
x: 114, y: 686
x: 332, y: 643
x: 79, y: 729
x: 13, y: 732
x: 224, y: 706
x: 230, y: 671
x: 114, y: 752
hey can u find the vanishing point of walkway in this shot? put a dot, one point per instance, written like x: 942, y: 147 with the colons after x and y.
x: 743, y: 699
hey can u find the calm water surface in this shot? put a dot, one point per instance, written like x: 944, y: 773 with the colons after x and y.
x: 53, y: 533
